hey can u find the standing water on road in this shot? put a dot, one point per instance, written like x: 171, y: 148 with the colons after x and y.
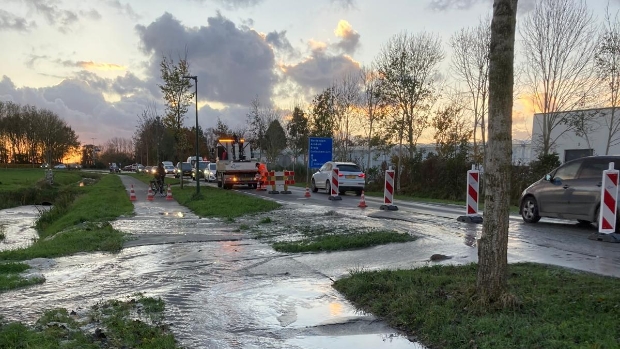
x: 222, y: 289
x: 18, y: 225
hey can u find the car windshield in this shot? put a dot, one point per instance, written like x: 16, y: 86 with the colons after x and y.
x: 202, y: 165
x: 212, y: 166
x: 186, y: 166
x: 349, y: 168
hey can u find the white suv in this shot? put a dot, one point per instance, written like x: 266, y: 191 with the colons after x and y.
x: 350, y: 177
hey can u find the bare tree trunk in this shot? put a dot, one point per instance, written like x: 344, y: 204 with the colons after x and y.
x: 493, y: 245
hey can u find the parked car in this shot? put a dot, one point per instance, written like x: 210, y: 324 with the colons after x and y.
x: 114, y: 168
x: 60, y: 167
x: 571, y: 191
x: 170, y: 169
x: 128, y: 168
x: 147, y: 170
x: 201, y: 167
x: 183, y: 169
x: 350, y: 178
x: 210, y: 172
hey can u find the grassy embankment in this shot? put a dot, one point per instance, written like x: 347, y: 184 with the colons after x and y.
x: 134, y: 323
x: 558, y: 308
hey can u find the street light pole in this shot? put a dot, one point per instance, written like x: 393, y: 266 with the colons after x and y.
x: 195, y: 78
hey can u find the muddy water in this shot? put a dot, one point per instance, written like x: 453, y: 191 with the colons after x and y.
x: 222, y: 288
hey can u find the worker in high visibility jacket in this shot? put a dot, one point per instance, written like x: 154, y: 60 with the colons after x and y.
x: 261, y: 168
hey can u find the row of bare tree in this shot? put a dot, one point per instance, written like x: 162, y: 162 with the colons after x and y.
x: 30, y: 136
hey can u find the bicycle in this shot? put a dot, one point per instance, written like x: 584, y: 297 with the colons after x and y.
x: 157, y: 186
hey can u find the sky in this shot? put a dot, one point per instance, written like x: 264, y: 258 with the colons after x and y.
x: 96, y: 62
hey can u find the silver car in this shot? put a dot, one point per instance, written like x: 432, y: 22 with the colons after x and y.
x: 572, y: 191
x: 350, y: 178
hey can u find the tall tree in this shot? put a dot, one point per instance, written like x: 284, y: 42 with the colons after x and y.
x: 491, y: 283
x: 275, y: 140
x: 452, y: 131
x: 470, y: 64
x: 374, y: 105
x: 178, y: 96
x: 298, y: 133
x: 607, y: 62
x: 346, y: 103
x: 558, y: 46
x: 408, y: 66
x: 322, y: 122
x: 258, y: 119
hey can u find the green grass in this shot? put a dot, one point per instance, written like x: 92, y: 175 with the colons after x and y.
x: 102, y: 202
x: 349, y: 241
x: 220, y: 203
x: 27, y: 186
x: 2, y: 234
x: 559, y: 308
x: 136, y: 323
x: 10, y: 279
x: 79, y: 222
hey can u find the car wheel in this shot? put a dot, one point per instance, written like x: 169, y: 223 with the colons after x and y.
x: 358, y: 192
x: 529, y: 210
x: 313, y: 186
x: 328, y: 188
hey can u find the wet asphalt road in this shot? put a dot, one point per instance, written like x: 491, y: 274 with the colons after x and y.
x: 224, y: 289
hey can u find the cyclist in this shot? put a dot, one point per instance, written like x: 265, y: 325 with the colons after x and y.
x: 160, y: 175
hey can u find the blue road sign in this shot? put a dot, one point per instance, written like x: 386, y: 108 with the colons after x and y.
x: 320, y: 151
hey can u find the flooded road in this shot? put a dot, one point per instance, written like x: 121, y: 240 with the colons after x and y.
x: 225, y: 287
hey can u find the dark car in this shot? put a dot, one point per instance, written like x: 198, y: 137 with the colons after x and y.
x: 202, y: 165
x: 571, y: 191
x: 182, y: 169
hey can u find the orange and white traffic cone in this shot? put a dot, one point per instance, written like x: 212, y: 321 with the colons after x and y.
x: 132, y: 194
x: 307, y: 194
x: 150, y: 195
x: 362, y: 203
x: 169, y: 194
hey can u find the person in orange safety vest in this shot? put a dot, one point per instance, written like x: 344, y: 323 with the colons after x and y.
x: 261, y: 169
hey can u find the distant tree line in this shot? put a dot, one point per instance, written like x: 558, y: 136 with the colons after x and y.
x: 29, y: 135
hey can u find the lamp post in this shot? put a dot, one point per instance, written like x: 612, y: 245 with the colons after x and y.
x: 195, y: 78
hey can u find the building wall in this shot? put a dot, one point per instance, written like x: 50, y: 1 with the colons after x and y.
x: 569, y: 141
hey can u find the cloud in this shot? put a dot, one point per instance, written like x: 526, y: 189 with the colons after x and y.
x: 90, y: 65
x: 345, y: 4
x: 80, y: 102
x: 320, y: 70
x: 279, y: 41
x: 350, y: 39
x: 234, y: 4
x: 124, y: 9
x: 92, y: 14
x: 10, y: 21
x: 54, y: 15
x: 445, y: 5
x: 233, y: 64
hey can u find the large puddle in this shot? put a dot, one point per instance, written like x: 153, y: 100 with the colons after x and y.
x: 222, y: 289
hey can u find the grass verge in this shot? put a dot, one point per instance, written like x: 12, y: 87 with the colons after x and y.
x: 2, y: 234
x: 349, y: 241
x: 136, y: 323
x: 217, y: 202
x: 10, y: 278
x: 78, y: 222
x: 559, y: 308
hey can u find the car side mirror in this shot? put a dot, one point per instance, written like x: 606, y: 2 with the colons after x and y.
x: 549, y: 178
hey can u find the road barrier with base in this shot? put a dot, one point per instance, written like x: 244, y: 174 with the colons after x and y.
x: 388, y: 192
x: 608, y: 208
x: 473, y: 195
x: 334, y: 185
x: 282, y: 178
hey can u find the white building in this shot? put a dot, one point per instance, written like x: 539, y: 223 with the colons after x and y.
x: 568, y: 144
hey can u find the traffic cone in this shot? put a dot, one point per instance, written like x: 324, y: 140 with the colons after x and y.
x: 362, y: 203
x: 307, y: 194
x: 150, y: 195
x: 169, y: 194
x: 132, y: 194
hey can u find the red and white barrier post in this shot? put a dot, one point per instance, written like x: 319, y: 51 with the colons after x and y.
x: 388, y: 192
x: 608, y: 208
x: 335, y: 190
x: 473, y: 196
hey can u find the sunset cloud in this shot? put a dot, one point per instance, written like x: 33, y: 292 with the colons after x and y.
x: 90, y: 65
x: 350, y: 39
